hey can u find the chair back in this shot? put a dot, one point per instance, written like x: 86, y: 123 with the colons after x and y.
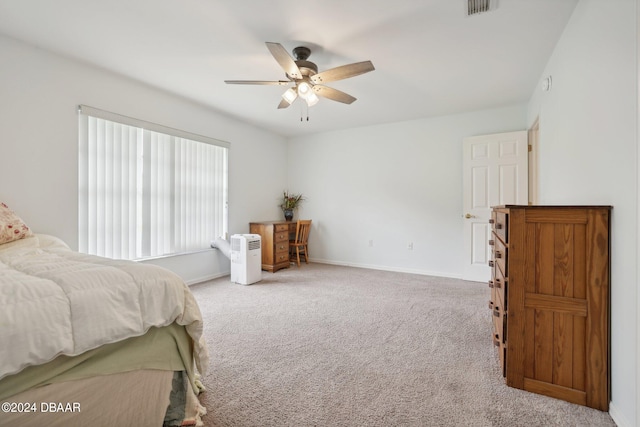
x: 303, y: 227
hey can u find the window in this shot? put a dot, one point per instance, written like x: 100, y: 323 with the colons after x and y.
x: 146, y: 190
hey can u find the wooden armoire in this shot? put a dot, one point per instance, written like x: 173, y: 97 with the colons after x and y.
x: 550, y: 300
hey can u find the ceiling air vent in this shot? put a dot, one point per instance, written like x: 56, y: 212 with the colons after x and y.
x: 475, y: 7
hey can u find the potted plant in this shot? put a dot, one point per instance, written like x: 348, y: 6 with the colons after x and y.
x: 290, y: 202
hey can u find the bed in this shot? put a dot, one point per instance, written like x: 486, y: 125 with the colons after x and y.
x: 86, y: 340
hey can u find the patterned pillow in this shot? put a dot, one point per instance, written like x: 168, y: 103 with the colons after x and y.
x: 11, y: 226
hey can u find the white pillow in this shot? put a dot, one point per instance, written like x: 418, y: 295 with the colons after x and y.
x: 47, y: 241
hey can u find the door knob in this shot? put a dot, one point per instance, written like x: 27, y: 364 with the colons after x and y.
x: 469, y: 216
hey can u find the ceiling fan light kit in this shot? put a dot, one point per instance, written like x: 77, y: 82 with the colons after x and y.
x: 312, y: 99
x: 290, y: 95
x: 304, y: 89
x: 306, y: 80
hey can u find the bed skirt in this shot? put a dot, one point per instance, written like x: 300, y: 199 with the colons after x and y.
x: 147, y: 380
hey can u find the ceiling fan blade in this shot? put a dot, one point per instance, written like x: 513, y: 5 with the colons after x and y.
x: 257, y: 82
x: 284, y: 59
x: 283, y: 104
x: 333, y: 94
x: 343, y: 72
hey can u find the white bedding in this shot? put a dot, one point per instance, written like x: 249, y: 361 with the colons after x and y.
x: 54, y: 301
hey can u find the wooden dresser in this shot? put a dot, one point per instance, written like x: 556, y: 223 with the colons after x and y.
x: 550, y: 300
x: 275, y: 242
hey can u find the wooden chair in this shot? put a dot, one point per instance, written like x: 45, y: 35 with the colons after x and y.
x: 299, y: 244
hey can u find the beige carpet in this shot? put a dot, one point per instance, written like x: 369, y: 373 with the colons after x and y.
x: 323, y: 345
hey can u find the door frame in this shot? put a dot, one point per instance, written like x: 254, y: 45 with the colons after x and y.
x: 534, y: 142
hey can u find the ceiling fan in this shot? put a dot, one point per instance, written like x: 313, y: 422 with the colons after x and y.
x: 303, y: 74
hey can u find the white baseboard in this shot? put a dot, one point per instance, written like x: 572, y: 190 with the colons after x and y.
x: 206, y: 278
x: 618, y: 418
x: 345, y: 264
x: 387, y: 268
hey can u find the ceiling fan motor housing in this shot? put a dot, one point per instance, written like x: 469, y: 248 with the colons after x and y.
x: 301, y: 52
x: 307, y: 68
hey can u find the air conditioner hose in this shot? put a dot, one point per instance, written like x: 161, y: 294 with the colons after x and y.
x: 222, y: 245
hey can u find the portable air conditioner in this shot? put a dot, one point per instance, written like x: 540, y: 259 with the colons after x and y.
x: 246, y: 258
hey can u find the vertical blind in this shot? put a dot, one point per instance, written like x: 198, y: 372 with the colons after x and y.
x: 146, y: 190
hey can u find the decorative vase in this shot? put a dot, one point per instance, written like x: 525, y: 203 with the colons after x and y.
x: 288, y: 214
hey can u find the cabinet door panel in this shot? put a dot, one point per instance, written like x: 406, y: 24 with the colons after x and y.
x: 561, y: 269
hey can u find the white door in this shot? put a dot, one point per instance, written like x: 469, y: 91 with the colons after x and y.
x: 494, y: 173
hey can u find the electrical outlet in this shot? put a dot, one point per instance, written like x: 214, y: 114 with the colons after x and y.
x: 410, y: 246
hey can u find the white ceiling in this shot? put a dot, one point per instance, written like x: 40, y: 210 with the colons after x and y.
x: 430, y: 58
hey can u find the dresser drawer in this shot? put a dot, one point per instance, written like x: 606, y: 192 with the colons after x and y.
x: 282, y: 246
x: 281, y: 227
x: 281, y: 236
x: 499, y: 334
x: 502, y: 353
x: 500, y: 284
x: 492, y: 282
x: 493, y: 291
x: 281, y: 257
x: 500, y: 256
x: 498, y: 314
x: 500, y: 223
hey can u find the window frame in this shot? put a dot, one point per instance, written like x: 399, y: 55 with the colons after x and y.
x: 147, y: 130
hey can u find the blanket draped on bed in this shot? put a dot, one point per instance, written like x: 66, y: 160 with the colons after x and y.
x: 54, y: 301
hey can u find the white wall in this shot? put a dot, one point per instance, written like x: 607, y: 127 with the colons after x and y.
x: 588, y: 155
x: 391, y: 184
x: 39, y: 95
